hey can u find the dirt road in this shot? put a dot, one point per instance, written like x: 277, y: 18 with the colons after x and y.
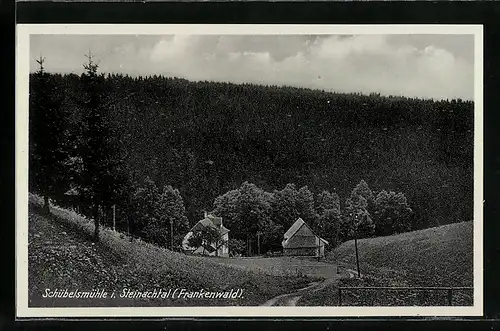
x: 291, y: 299
x: 325, y: 273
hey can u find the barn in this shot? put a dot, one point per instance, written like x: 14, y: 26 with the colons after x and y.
x: 300, y: 240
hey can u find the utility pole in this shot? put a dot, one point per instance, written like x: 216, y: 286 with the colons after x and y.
x: 258, y: 242
x: 356, y: 243
x: 357, y: 256
x: 248, y: 245
x: 114, y: 217
x: 172, y: 234
x: 337, y: 234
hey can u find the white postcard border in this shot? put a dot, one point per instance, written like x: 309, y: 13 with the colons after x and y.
x: 23, y: 33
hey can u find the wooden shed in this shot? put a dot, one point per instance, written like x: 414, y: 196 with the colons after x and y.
x: 300, y: 240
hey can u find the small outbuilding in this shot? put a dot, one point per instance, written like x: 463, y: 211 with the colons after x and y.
x: 300, y: 240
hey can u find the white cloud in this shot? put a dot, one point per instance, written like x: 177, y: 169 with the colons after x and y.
x: 341, y: 48
x: 364, y: 63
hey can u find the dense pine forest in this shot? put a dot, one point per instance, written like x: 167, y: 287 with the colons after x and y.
x: 193, y: 142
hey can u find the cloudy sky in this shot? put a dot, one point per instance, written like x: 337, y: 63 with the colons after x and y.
x: 435, y: 66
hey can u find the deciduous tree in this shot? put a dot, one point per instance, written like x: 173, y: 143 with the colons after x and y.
x: 329, y: 217
x: 364, y: 190
x: 289, y: 204
x: 357, y: 220
x: 207, y: 236
x: 155, y: 210
x: 392, y: 213
x: 327, y: 201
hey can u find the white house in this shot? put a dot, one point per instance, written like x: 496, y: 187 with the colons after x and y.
x: 209, y: 249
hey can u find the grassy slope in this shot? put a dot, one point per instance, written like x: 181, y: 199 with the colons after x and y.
x: 440, y: 256
x: 61, y: 255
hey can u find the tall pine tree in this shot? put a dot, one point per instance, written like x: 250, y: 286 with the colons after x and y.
x: 101, y: 164
x: 47, y: 130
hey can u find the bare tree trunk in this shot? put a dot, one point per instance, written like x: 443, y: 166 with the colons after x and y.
x: 96, y: 222
x: 46, y: 204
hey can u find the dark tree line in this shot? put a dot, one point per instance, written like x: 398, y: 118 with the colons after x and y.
x: 249, y: 211
x: 207, y: 138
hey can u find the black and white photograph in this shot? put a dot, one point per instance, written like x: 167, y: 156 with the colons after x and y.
x: 250, y: 170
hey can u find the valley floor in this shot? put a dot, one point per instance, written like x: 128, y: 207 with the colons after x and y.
x: 286, y: 266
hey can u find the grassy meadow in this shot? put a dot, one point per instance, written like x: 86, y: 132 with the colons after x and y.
x: 435, y: 257
x: 62, y: 255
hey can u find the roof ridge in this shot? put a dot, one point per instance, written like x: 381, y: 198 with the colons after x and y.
x: 299, y: 227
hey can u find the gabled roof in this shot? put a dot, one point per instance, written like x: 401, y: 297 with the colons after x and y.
x: 296, y: 227
x: 212, y: 221
x: 202, y: 223
x: 217, y: 221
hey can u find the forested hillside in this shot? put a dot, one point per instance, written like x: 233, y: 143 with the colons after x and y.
x: 207, y: 138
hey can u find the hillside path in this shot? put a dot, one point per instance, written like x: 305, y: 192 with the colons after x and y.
x: 291, y: 299
x: 325, y: 272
